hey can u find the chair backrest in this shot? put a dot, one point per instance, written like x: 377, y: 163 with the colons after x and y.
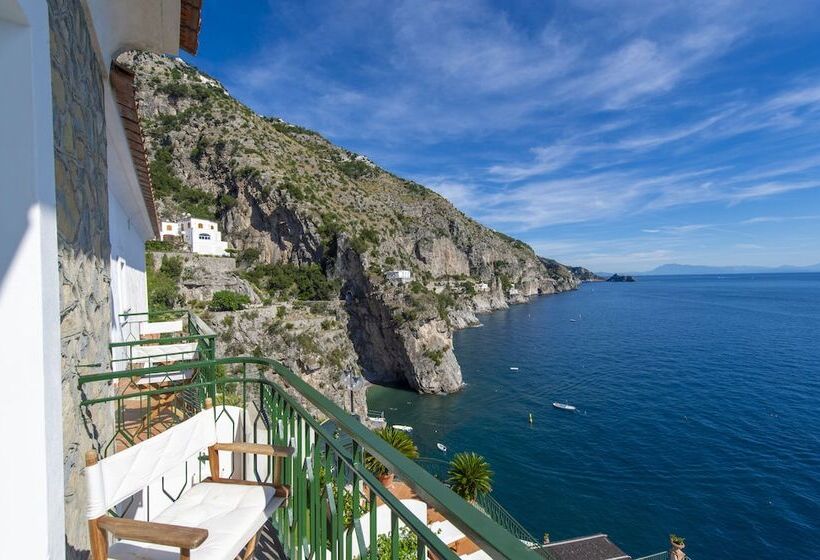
x: 123, y: 474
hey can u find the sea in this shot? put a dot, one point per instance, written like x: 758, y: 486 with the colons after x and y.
x: 698, y: 413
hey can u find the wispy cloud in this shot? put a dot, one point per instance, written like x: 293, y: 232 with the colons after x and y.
x: 588, y: 112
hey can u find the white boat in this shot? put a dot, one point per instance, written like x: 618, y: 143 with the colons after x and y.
x: 513, y: 369
x: 442, y: 447
x: 407, y: 429
x: 563, y: 406
x: 573, y: 320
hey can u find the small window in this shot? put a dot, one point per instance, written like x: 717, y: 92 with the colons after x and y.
x: 168, y: 227
x: 199, y: 226
x: 205, y: 236
x: 212, y: 227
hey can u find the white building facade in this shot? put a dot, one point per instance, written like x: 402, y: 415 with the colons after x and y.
x: 399, y: 276
x: 201, y: 236
x: 77, y: 210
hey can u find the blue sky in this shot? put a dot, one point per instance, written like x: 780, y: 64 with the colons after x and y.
x: 614, y: 135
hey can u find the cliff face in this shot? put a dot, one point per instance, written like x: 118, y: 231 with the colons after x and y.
x: 299, y: 200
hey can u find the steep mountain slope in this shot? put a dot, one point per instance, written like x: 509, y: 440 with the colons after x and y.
x: 287, y: 197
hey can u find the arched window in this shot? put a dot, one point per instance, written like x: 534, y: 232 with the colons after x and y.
x: 205, y: 236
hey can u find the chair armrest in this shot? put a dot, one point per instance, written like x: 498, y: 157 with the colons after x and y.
x: 156, y: 533
x: 255, y: 449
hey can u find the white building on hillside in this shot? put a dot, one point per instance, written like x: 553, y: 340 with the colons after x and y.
x: 400, y: 276
x: 201, y: 236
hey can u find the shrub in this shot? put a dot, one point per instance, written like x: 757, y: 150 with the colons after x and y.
x: 436, y: 355
x: 469, y: 288
x: 171, y: 267
x: 226, y: 300
x: 158, y: 246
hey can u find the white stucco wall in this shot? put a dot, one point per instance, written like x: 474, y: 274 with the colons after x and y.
x: 32, y: 480
x: 129, y: 224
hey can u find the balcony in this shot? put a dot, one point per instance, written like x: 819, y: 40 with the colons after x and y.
x: 338, y: 510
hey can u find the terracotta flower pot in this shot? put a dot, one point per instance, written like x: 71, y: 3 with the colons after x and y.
x: 387, y: 480
x: 677, y: 546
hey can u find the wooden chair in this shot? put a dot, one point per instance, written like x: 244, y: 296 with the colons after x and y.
x: 214, y: 520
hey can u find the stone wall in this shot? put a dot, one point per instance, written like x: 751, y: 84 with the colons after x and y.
x: 83, y: 243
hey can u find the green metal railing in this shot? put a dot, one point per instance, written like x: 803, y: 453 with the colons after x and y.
x: 489, y: 505
x: 194, y: 330
x: 335, y: 501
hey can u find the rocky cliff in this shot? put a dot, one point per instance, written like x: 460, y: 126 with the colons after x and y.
x: 289, y: 200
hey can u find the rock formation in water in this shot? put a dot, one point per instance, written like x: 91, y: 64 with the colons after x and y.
x: 618, y: 278
x: 288, y: 199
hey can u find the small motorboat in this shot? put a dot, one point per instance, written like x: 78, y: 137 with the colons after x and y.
x: 513, y: 369
x: 407, y: 429
x: 442, y: 447
x: 573, y: 320
x: 563, y: 406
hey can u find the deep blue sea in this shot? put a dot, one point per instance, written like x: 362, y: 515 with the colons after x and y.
x: 698, y: 413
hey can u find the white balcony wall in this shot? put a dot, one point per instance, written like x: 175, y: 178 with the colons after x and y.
x: 31, y: 476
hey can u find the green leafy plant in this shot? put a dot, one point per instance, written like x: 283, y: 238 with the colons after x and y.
x: 400, y: 441
x: 226, y: 300
x: 470, y: 475
x: 408, y: 546
x: 676, y: 539
x: 163, y: 288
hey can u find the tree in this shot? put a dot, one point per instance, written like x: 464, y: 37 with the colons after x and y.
x: 401, y: 442
x: 470, y: 475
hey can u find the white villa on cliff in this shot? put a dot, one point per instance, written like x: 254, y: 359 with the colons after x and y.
x: 201, y: 236
x: 399, y: 276
x: 77, y: 209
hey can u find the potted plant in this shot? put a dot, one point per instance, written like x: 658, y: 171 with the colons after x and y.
x: 470, y: 475
x: 401, y: 442
x: 677, y: 541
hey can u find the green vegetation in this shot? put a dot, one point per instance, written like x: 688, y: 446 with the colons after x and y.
x: 401, y: 442
x: 226, y: 300
x: 470, y: 475
x: 248, y: 257
x: 305, y: 282
x: 444, y: 301
x: 676, y: 539
x: 514, y: 242
x: 163, y: 283
x: 195, y: 202
x: 408, y: 546
x: 158, y: 246
x: 468, y: 287
x: 355, y: 168
x: 436, y: 355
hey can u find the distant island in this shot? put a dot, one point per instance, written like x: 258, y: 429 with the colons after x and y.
x: 619, y: 278
x: 693, y: 269
x: 701, y: 269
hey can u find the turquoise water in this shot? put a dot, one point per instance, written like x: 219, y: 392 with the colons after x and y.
x: 698, y: 414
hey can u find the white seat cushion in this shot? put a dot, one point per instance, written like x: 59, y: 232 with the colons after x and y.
x: 231, y: 513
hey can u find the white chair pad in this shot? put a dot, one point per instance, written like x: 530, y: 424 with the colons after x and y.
x: 232, y: 514
x: 446, y: 531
